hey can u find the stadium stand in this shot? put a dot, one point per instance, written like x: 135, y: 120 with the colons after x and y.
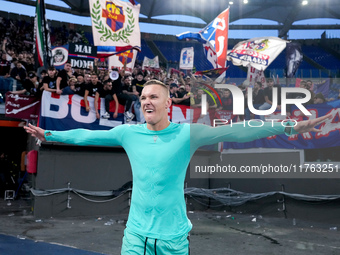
x: 321, y: 57
x: 145, y: 51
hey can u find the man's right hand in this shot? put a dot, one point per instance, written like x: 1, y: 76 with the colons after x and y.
x: 309, y: 125
x: 36, y: 132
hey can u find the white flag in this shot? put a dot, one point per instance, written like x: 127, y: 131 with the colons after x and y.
x: 118, y: 60
x: 115, y: 23
x: 187, y: 58
x: 258, y: 52
x: 150, y: 62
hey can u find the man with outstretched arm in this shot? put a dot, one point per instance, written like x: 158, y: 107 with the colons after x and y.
x: 159, y: 153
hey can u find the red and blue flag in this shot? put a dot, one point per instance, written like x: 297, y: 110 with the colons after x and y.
x: 214, y: 38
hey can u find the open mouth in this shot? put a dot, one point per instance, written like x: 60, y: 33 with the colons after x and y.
x: 149, y: 110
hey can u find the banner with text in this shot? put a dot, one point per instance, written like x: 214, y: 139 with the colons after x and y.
x: 22, y: 107
x: 68, y: 112
x: 257, y: 52
x: 82, y: 56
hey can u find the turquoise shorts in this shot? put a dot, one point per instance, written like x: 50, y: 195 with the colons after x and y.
x: 136, y: 244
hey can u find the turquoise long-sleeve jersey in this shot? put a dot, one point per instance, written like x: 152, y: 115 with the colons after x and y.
x: 159, y: 160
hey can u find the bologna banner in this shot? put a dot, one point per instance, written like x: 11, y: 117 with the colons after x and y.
x: 68, y: 112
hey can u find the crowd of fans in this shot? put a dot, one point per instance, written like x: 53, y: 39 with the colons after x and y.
x: 125, y: 88
x: 19, y: 34
x: 17, y: 62
x: 16, y: 49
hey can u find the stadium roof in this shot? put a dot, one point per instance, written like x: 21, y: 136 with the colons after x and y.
x: 284, y: 12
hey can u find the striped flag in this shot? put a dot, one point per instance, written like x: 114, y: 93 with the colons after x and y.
x: 42, y: 42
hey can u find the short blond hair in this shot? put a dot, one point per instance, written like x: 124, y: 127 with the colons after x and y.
x: 157, y: 82
x: 72, y: 79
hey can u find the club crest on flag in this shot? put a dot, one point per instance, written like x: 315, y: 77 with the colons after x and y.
x: 118, y: 60
x: 120, y: 21
x: 114, y: 15
x: 129, y: 57
x: 258, y: 46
